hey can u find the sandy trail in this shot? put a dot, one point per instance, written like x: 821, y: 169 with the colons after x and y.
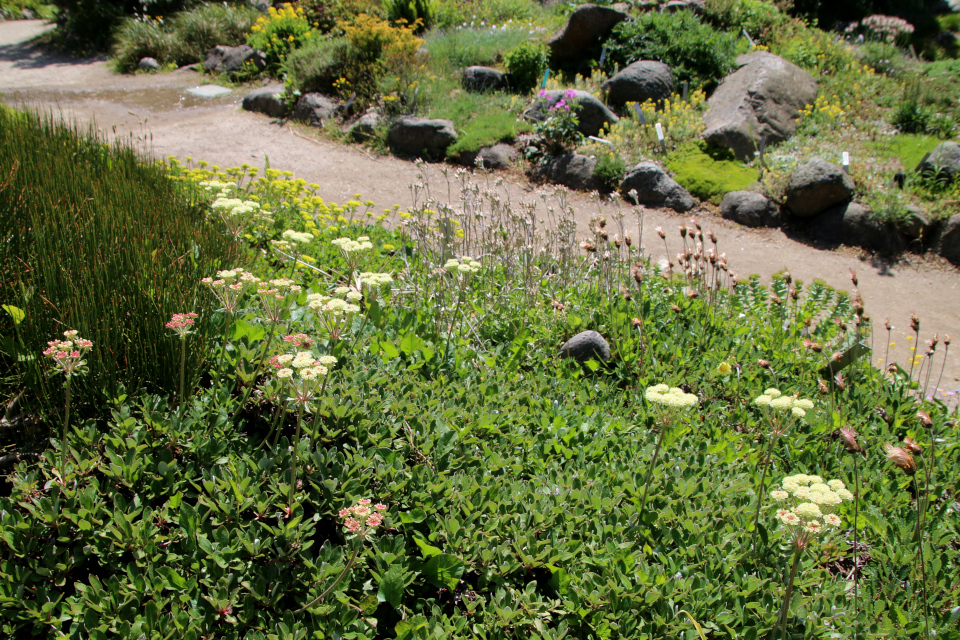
x: 156, y: 113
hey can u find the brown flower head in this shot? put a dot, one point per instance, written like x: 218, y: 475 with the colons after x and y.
x: 840, y: 382
x: 683, y: 231
x: 911, y: 445
x: 627, y: 239
x: 849, y: 438
x: 853, y: 278
x: 813, y: 346
x: 763, y: 364
x: 901, y: 458
x: 588, y: 246
x: 925, y: 418
x: 676, y: 308
x: 637, y: 272
x: 915, y: 323
x: 637, y: 323
x: 946, y: 340
x: 822, y: 386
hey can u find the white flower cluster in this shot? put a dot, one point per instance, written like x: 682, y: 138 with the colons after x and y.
x: 349, y: 246
x: 218, y: 187
x: 774, y: 399
x: 813, y: 502
x: 466, y: 265
x: 296, y: 236
x: 375, y: 280
x: 235, y: 207
x: 670, y: 397
x: 331, y: 306
x: 230, y: 285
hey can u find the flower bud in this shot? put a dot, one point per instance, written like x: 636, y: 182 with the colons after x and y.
x: 911, y: 445
x: 925, y: 418
x: 901, y: 458
x: 849, y: 438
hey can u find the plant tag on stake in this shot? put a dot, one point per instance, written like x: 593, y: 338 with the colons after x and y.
x: 845, y: 161
x: 847, y: 358
x: 686, y: 90
x: 749, y: 39
x: 603, y: 56
x: 546, y: 74
x: 636, y: 106
x: 663, y: 142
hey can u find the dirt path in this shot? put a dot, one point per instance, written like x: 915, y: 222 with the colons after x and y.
x: 156, y: 111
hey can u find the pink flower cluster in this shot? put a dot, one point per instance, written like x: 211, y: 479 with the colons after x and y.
x: 299, y: 340
x: 180, y: 323
x: 886, y: 28
x: 67, y: 354
x: 361, y: 519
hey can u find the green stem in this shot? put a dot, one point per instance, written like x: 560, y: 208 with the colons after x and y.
x: 256, y: 373
x: 856, y: 541
x: 653, y: 463
x: 763, y: 477
x: 183, y: 363
x: 923, y: 568
x: 786, y: 596
x: 293, y: 463
x: 66, y: 426
x: 346, y: 568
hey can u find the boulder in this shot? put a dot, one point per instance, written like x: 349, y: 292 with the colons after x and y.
x: 314, y: 109
x: 654, y: 188
x: 573, y: 171
x: 480, y: 79
x: 586, y: 29
x: 592, y: 114
x: 763, y: 97
x: 266, y: 100
x: 950, y: 239
x: 223, y: 59
x: 148, y: 64
x: 585, y: 346
x: 816, y: 186
x: 851, y: 224
x: 915, y: 224
x: 750, y: 209
x: 943, y: 160
x: 639, y: 82
x: 366, y: 127
x: 697, y: 6
x: 415, y: 136
x: 499, y: 156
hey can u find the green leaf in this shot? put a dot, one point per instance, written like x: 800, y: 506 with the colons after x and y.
x: 415, y: 515
x: 15, y: 312
x: 391, y: 586
x: 444, y: 570
x: 427, y: 550
x: 389, y: 349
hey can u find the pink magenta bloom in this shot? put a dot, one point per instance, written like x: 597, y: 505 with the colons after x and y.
x: 352, y: 524
x: 570, y: 94
x: 374, y: 519
x: 543, y: 93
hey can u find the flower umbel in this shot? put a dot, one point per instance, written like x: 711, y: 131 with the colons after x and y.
x: 361, y: 519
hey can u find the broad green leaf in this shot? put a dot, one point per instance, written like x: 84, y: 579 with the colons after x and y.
x: 391, y: 586
x: 427, y: 550
x: 389, y: 349
x: 16, y: 313
x: 444, y: 570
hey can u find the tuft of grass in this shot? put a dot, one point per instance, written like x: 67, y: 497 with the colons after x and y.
x: 487, y: 129
x: 456, y: 49
x: 909, y: 148
x: 709, y: 173
x: 98, y: 240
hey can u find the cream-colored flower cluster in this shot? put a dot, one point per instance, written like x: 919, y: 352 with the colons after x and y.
x: 465, y: 264
x: 807, y: 502
x: 775, y: 399
x: 349, y: 246
x: 375, y: 280
x: 230, y: 285
x: 670, y: 397
x: 332, y: 306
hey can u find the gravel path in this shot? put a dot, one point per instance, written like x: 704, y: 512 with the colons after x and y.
x: 156, y: 113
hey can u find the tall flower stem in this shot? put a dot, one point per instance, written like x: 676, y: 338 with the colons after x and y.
x: 293, y: 463
x: 784, y: 610
x: 66, y: 426
x: 856, y: 538
x: 350, y: 562
x: 923, y: 567
x: 763, y: 478
x: 183, y: 371
x: 653, y: 463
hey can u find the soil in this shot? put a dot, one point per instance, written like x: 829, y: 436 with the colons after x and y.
x: 156, y: 113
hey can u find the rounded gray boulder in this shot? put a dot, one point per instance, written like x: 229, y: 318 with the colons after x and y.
x: 750, y: 209
x: 573, y: 171
x: 588, y: 26
x: 816, y: 186
x: 649, y: 185
x: 480, y: 79
x: 415, y: 136
x: 266, y: 100
x: 950, y: 239
x: 853, y: 225
x: 314, y: 109
x: 585, y: 346
x: 943, y: 160
x: 639, y: 82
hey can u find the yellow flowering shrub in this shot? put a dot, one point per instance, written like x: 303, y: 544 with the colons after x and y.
x: 681, y: 121
x: 279, y: 32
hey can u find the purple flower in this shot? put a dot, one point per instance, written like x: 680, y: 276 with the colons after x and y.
x: 570, y: 94
x: 560, y: 105
x: 543, y: 93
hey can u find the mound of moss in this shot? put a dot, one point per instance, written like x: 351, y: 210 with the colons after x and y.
x: 709, y: 172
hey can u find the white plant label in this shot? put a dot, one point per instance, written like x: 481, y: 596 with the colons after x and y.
x: 659, y: 132
x: 846, y: 159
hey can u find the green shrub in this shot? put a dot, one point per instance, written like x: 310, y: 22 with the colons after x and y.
x: 325, y: 15
x: 316, y: 66
x: 414, y: 13
x: 182, y: 39
x: 13, y: 9
x: 609, y: 171
x: 762, y: 19
x: 883, y: 58
x: 457, y: 49
x: 87, y: 26
x: 114, y: 248
x: 812, y: 49
x: 278, y: 33
x: 696, y: 52
x: 709, y: 172
x: 526, y: 65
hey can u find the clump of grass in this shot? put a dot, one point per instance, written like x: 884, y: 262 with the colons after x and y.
x: 486, y: 129
x: 114, y: 248
x: 460, y: 48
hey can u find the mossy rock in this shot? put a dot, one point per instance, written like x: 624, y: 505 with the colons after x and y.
x: 709, y: 172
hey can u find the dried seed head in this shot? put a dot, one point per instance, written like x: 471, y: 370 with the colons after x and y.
x: 588, y: 246
x: 794, y: 294
x: 628, y: 239
x: 822, y: 386
x: 911, y: 445
x: 925, y: 418
x: 853, y: 278
x: 946, y: 341
x: 915, y: 323
x: 932, y: 343
x: 787, y: 277
x: 887, y: 325
x: 636, y: 322
x: 661, y: 233
x: 901, y: 458
x: 776, y: 299
x: 693, y: 294
x: 849, y: 438
x: 695, y: 223
x: 557, y: 305
x: 602, y: 222
x: 626, y: 294
x: 840, y: 382
x: 637, y: 272
x: 676, y: 308
x: 617, y: 241
x: 683, y: 231
x: 813, y: 346
x: 763, y: 364
x: 712, y: 236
